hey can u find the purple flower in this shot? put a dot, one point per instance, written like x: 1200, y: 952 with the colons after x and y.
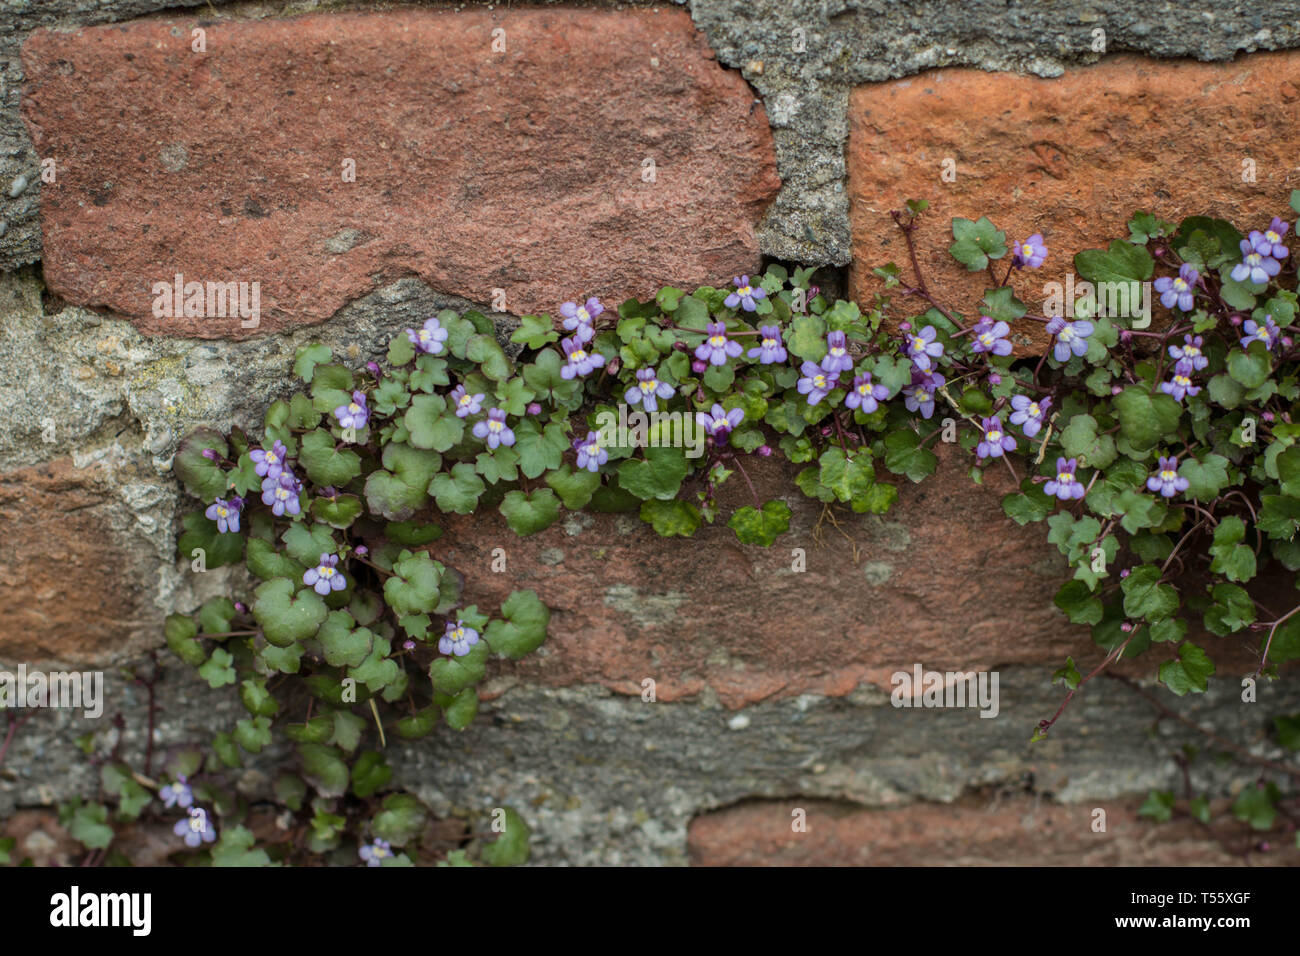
x: 990, y: 336
x: 580, y: 360
x: 1269, y: 242
x: 494, y: 430
x: 325, y: 577
x: 458, y: 639
x: 1180, y: 382
x: 1190, y: 351
x: 465, y: 403
x: 648, y: 389
x: 1071, y: 337
x: 922, y: 347
x: 429, y: 339
x: 375, y: 853
x: 177, y: 793
x: 995, y: 440
x: 281, y: 493
x: 717, y: 347
x: 1268, y: 333
x: 225, y: 514
x: 196, y: 828
x: 355, y: 414
x: 581, y: 318
x: 837, y: 357
x: 1178, y: 290
x: 769, y: 348
x: 744, y: 296
x: 1065, y: 485
x: 1255, y: 266
x: 817, y: 382
x: 865, y: 395
x: 269, y: 463
x: 1166, y: 480
x: 590, y: 455
x: 1028, y: 414
x: 720, y: 423
x: 1032, y: 252
x: 919, y: 396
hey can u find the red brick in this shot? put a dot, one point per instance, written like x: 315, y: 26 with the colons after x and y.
x: 1071, y: 157
x: 476, y: 170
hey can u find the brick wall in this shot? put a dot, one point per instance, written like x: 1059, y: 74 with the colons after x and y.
x: 520, y: 157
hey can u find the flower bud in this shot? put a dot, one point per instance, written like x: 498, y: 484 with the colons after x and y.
x: 904, y: 326
x: 1126, y: 335
x: 209, y: 454
x: 765, y: 450
x: 995, y: 378
x: 241, y: 607
x: 373, y: 368
x: 1286, y: 341
x: 698, y: 367
x: 826, y: 432
x: 1116, y: 389
x: 1235, y: 320
x: 409, y: 645
x: 1123, y: 574
x: 1268, y: 416
x: 361, y: 551
x: 534, y: 408
x: 1126, y: 627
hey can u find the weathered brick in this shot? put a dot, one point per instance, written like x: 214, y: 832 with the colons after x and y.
x: 70, y: 583
x: 1005, y: 831
x: 476, y: 170
x: 1071, y: 157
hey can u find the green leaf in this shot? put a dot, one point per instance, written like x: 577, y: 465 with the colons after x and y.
x: 905, y: 456
x: 458, y: 491
x: 324, y: 769
x: 431, y: 425
x: 204, y: 479
x: 1145, y: 419
x: 1001, y: 305
x: 492, y: 362
x: 1159, y: 806
x: 308, y: 357
x: 847, y: 477
x: 338, y: 512
x: 524, y: 627
x: 1146, y: 597
x: 1250, y: 368
x: 323, y: 464
x: 535, y: 332
x: 217, y: 671
x: 977, y: 242
x: 267, y: 563
x: 179, y: 632
x: 1078, y: 602
x: 1191, y: 672
x: 451, y: 675
x: 1080, y: 440
x: 414, y: 587
x: 1207, y: 476
x: 539, y: 450
x: 344, y: 644
x: 253, y: 734
x: 370, y: 774
x: 284, y: 618
x: 1257, y: 805
x: 753, y: 526
x: 459, y: 712
x: 1233, y: 560
x: 532, y: 512
x: 401, y: 820
x: 511, y: 847
x: 306, y: 544
x: 671, y: 518
x: 257, y: 699
x: 575, y: 487
x: 89, y: 826
x: 399, y: 491
x: 658, y: 475
x: 1121, y: 262
x: 234, y: 847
